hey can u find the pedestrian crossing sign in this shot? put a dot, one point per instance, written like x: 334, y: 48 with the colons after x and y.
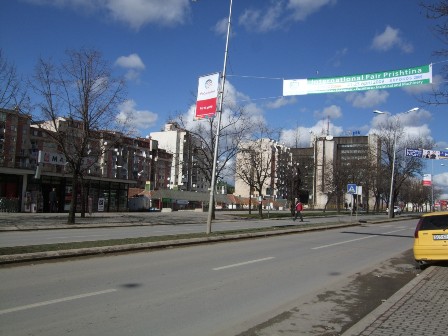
x: 351, y: 188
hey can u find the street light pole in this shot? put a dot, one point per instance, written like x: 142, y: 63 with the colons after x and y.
x: 218, y: 130
x: 391, y: 192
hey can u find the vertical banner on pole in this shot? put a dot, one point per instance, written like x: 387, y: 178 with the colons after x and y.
x: 207, y: 96
x: 427, y: 180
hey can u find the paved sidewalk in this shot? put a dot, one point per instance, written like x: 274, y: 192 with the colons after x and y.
x: 41, y: 221
x: 418, y: 309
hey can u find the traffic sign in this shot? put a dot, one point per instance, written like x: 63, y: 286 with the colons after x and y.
x: 351, y: 188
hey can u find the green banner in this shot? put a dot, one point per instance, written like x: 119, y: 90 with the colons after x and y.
x: 369, y: 81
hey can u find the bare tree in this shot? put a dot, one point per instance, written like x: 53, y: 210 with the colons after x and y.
x: 406, y: 167
x: 79, y: 101
x: 12, y: 92
x: 254, y: 166
x: 236, y: 127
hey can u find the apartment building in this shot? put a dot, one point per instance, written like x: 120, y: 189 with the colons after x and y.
x: 185, y: 172
x: 111, y: 165
x: 262, y: 161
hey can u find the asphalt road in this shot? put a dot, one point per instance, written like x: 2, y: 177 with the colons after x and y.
x: 217, y: 289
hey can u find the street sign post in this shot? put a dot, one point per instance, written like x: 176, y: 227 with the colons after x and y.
x: 351, y: 188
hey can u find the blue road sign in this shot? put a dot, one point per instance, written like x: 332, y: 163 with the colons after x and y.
x: 351, y: 188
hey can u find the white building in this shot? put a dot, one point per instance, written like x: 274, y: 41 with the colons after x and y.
x: 263, y: 160
x: 185, y: 174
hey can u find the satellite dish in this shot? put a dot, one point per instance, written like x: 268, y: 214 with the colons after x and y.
x: 329, y: 137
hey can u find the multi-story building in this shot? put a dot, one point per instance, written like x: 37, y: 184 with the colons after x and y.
x: 307, y: 173
x: 15, y: 153
x: 112, y: 163
x: 185, y: 171
x: 352, y: 159
x: 262, y: 161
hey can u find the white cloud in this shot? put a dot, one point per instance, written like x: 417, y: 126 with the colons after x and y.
x: 414, y: 123
x: 441, y: 181
x: 221, y: 26
x: 133, y: 61
x: 303, y: 8
x: 134, y: 13
x: 259, y: 21
x: 427, y: 88
x: 389, y: 39
x: 133, y: 64
x: 367, y: 99
x: 137, y: 119
x: 333, y: 112
x: 280, y: 102
x: 303, y: 136
x: 279, y: 13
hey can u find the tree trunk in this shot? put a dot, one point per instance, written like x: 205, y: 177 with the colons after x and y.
x: 83, y: 199
x: 71, y: 214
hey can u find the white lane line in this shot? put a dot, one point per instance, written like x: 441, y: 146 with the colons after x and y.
x: 353, y: 240
x: 46, y: 303
x: 243, y: 263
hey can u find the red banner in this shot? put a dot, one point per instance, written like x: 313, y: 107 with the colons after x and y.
x: 207, y: 96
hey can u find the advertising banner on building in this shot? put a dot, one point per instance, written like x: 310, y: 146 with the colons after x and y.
x: 369, y: 81
x: 427, y: 154
x: 60, y: 160
x: 207, y: 96
x: 52, y: 158
x: 427, y: 180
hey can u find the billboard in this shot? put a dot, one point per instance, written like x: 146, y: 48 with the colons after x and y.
x: 368, y: 81
x: 427, y: 154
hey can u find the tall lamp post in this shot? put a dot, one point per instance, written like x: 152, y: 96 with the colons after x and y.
x: 218, y: 130
x: 391, y: 192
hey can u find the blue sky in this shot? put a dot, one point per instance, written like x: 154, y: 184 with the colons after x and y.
x: 163, y: 46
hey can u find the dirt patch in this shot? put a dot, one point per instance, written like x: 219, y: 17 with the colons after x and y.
x: 333, y: 311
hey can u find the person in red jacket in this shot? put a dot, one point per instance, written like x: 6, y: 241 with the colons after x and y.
x: 299, y: 209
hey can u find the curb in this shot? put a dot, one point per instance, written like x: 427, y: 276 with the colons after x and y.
x: 368, y: 320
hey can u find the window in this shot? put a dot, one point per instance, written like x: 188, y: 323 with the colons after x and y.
x: 434, y: 223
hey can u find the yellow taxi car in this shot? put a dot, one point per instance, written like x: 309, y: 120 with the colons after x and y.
x: 431, y: 238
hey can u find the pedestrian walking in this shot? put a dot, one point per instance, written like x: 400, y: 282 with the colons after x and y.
x: 292, y: 208
x: 299, y: 209
x: 53, y: 200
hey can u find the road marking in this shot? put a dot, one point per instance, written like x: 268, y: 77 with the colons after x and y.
x: 46, y: 303
x: 243, y: 263
x: 353, y: 240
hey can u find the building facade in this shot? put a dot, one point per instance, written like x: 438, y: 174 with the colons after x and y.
x: 317, y: 175
x: 262, y: 163
x: 185, y: 172
x: 113, y: 164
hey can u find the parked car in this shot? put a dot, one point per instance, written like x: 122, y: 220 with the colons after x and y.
x: 431, y: 238
x: 397, y: 210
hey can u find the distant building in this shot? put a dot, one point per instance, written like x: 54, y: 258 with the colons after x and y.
x: 272, y: 161
x: 181, y: 144
x: 303, y: 173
